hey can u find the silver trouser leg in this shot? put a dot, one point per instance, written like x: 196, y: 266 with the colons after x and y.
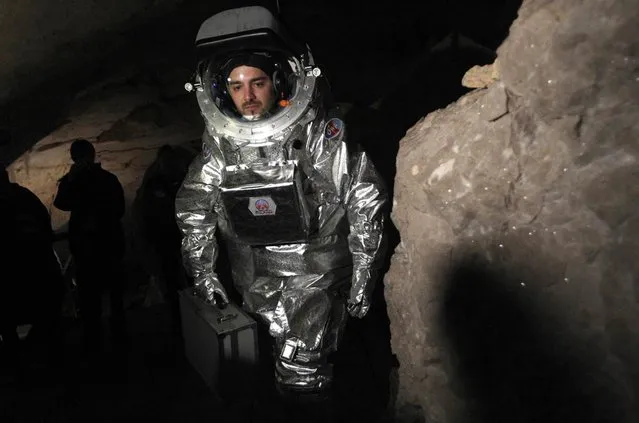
x: 302, y: 361
x: 306, y: 315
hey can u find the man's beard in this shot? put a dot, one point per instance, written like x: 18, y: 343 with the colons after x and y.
x: 255, y: 108
x: 257, y: 113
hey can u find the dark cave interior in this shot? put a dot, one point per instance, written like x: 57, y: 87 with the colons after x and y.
x: 392, y: 62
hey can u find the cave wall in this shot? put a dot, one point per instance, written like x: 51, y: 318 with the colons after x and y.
x: 127, y: 117
x: 42, y: 37
x: 513, y: 295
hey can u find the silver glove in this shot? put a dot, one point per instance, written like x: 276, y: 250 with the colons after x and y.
x: 207, y: 286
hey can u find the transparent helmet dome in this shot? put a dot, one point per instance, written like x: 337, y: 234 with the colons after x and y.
x: 251, y: 86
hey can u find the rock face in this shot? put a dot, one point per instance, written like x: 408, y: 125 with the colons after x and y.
x: 513, y: 295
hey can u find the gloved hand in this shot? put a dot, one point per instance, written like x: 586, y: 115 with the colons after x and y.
x: 211, y: 290
x: 361, y: 290
x: 357, y: 306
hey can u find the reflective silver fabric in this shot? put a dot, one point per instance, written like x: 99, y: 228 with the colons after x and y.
x: 301, y: 290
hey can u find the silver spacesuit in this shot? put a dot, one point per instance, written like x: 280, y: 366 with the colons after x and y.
x: 300, y: 209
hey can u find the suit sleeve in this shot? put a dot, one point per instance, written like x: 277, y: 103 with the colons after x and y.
x: 197, y: 219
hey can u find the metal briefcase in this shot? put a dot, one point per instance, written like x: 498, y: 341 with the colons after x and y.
x: 221, y: 344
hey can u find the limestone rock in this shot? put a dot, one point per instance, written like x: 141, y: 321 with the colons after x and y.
x: 513, y: 292
x: 480, y: 76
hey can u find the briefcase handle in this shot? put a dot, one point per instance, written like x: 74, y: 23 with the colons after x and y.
x: 205, y: 304
x: 226, y: 318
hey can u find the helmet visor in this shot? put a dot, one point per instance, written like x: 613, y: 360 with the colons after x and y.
x: 251, y: 85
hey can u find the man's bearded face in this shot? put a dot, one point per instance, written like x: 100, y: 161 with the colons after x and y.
x: 251, y: 90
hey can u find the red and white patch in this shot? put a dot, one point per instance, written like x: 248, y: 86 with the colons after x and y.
x: 262, y: 206
x: 333, y: 129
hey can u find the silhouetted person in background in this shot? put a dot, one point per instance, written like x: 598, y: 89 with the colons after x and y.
x: 95, y: 199
x: 155, y: 212
x: 32, y: 288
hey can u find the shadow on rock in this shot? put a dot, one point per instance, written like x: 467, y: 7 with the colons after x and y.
x: 512, y: 360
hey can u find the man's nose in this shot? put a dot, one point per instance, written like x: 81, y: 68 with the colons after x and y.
x: 249, y: 94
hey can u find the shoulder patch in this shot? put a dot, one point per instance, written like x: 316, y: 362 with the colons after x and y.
x: 333, y: 129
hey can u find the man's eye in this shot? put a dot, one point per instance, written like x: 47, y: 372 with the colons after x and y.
x: 235, y: 88
x: 259, y: 84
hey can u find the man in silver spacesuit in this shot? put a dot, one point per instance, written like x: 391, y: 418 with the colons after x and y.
x: 300, y: 209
